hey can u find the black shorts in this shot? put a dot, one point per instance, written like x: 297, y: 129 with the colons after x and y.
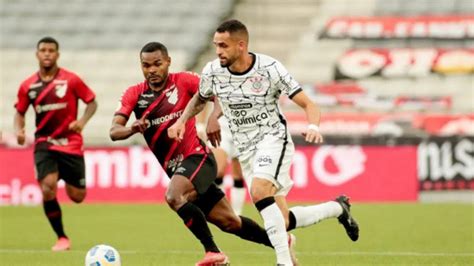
x: 70, y: 168
x: 201, y: 169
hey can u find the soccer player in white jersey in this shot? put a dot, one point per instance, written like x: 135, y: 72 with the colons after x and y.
x: 248, y: 86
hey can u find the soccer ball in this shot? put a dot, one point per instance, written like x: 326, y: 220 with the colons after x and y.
x: 102, y: 255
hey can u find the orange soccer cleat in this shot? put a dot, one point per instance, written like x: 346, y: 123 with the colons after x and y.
x: 214, y: 259
x: 62, y: 244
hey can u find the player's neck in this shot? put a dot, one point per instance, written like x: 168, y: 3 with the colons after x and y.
x: 242, y: 64
x: 48, y: 73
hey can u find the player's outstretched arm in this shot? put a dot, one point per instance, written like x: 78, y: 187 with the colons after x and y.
x: 312, y: 134
x: 195, y: 106
x: 78, y: 125
x: 19, y: 126
x: 118, y: 130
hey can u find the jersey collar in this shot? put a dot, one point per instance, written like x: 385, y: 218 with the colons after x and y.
x: 254, y: 58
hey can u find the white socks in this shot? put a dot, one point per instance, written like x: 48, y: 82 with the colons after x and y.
x: 274, y: 224
x: 237, y: 199
x: 309, y: 215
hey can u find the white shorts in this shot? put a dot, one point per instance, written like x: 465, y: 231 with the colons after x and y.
x: 271, y: 161
x: 227, y: 143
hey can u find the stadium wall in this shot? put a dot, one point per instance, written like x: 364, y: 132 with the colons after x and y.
x: 366, y: 169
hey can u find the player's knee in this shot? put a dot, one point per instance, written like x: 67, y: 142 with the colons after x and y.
x: 78, y: 197
x: 258, y: 194
x: 48, y: 191
x: 174, y: 201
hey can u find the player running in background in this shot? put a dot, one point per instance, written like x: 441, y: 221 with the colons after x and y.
x: 192, y: 194
x: 248, y: 86
x: 54, y: 93
x: 225, y: 152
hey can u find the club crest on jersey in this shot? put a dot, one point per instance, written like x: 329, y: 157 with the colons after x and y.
x: 61, y: 88
x: 258, y: 83
x: 172, y: 95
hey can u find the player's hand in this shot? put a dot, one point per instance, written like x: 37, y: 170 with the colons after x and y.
x: 213, y: 131
x: 312, y: 134
x: 176, y: 131
x: 76, y: 125
x: 140, y: 125
x: 21, y: 137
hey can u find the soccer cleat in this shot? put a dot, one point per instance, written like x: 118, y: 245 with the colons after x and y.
x: 214, y: 259
x: 292, y: 245
x: 62, y: 244
x: 346, y: 219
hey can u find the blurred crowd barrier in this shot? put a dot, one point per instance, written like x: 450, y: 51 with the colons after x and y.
x: 370, y: 169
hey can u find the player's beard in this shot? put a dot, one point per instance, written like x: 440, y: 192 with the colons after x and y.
x: 156, y: 84
x: 228, y: 62
x: 159, y: 84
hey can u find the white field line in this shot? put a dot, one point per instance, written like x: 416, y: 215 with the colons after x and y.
x: 311, y: 253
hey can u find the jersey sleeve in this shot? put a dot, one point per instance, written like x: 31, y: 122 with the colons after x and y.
x: 205, y: 84
x: 127, y: 102
x: 22, y: 101
x: 82, y: 91
x: 285, y: 82
x: 192, y: 80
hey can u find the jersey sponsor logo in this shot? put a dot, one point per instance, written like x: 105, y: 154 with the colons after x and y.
x: 142, y: 104
x: 264, y: 160
x: 50, y: 107
x: 32, y: 94
x: 172, y: 95
x: 61, y: 88
x: 238, y: 106
x: 166, y: 118
x: 249, y: 119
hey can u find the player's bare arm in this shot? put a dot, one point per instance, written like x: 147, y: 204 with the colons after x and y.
x: 19, y: 125
x: 119, y: 130
x: 195, y: 106
x: 78, y: 125
x: 213, y: 127
x: 312, y: 134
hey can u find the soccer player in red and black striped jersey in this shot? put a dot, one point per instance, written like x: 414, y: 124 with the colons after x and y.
x: 157, y: 103
x: 54, y: 93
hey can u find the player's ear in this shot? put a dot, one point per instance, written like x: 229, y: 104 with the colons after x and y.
x: 242, y: 45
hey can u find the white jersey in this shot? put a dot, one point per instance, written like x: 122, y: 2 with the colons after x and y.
x: 249, y: 100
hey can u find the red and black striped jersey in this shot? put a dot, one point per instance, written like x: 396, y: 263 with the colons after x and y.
x: 162, y: 109
x: 55, y: 103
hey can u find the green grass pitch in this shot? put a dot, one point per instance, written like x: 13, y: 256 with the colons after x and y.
x: 391, y: 234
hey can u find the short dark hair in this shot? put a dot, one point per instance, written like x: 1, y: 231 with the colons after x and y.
x: 232, y: 26
x: 154, y: 46
x: 48, y: 39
